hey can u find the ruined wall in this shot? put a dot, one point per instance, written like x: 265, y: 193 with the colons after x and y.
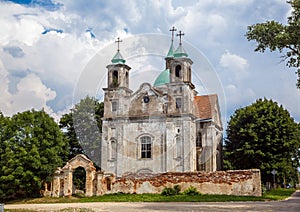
x: 237, y: 182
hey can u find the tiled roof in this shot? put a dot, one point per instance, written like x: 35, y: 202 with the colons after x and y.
x: 204, y: 106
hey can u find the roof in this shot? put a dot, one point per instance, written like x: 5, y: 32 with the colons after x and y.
x: 171, y: 51
x: 118, y: 58
x: 163, y: 78
x: 204, y: 106
x: 180, y: 52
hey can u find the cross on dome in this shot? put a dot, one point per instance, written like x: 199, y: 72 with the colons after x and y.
x: 118, y: 58
x: 173, y: 29
x: 180, y: 34
x: 118, y: 41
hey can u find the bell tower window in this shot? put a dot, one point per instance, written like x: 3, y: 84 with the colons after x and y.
x: 115, y: 78
x: 127, y: 78
x: 178, y: 103
x: 114, y: 106
x: 178, y: 71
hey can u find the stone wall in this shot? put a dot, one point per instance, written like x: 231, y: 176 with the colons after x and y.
x: 237, y: 182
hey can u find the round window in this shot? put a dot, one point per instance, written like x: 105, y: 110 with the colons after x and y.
x: 146, y: 99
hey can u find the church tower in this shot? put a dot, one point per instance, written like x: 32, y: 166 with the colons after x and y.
x: 180, y: 76
x: 118, y: 71
x: 179, y: 64
x: 117, y: 85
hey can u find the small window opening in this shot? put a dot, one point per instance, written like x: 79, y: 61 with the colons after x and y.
x: 114, y: 106
x: 178, y: 71
x: 178, y: 102
x: 115, y: 78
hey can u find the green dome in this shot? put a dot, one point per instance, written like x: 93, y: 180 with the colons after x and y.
x: 180, y: 52
x: 163, y: 78
x: 118, y: 58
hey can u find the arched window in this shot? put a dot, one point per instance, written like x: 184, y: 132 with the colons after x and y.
x: 178, y: 71
x: 115, y: 78
x: 114, y: 106
x: 127, y: 79
x: 146, y: 147
x: 178, y: 147
x: 178, y: 103
x: 112, y: 150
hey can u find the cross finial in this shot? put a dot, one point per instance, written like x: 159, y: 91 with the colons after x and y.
x: 118, y: 41
x: 173, y: 29
x: 180, y: 34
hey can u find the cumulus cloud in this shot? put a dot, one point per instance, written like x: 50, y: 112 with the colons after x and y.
x: 30, y: 93
x: 79, y: 29
x: 234, y: 65
x: 55, y: 57
x: 239, y: 96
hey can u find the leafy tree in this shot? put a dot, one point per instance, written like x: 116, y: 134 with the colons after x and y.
x: 32, y: 148
x: 284, y: 38
x: 264, y: 136
x: 83, y: 127
x: 66, y: 124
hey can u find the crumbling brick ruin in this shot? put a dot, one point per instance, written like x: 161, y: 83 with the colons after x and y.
x: 237, y: 182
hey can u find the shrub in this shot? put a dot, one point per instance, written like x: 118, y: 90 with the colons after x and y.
x: 171, y: 191
x: 191, y: 191
x: 176, y: 189
x: 168, y: 192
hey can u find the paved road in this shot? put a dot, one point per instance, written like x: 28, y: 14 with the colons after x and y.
x: 292, y: 204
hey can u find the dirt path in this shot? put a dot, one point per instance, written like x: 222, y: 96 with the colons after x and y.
x: 292, y: 204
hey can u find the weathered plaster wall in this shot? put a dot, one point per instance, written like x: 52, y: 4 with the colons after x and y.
x: 240, y: 182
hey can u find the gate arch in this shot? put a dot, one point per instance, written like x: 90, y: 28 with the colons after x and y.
x: 66, y: 175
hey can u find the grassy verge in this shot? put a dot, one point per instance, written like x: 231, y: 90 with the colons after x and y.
x: 278, y: 194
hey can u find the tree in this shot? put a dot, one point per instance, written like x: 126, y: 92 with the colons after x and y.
x: 283, y: 38
x: 66, y: 124
x: 263, y: 135
x: 32, y: 148
x: 83, y: 127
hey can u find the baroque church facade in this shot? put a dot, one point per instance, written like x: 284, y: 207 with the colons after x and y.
x: 164, y: 127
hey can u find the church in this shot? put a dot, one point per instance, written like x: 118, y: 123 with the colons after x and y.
x: 161, y: 127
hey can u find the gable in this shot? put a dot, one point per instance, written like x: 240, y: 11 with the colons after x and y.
x: 146, y: 101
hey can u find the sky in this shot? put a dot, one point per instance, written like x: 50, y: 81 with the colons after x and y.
x: 54, y: 52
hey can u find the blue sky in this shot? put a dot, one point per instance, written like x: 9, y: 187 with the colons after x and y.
x: 45, y: 46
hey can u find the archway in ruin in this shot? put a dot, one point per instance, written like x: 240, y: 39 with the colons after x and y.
x: 74, y: 170
x: 79, y: 180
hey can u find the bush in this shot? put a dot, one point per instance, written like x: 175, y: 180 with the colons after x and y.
x: 168, y: 192
x: 191, y: 191
x: 176, y: 189
x: 171, y: 191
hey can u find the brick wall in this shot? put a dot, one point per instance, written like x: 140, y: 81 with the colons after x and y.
x: 235, y: 182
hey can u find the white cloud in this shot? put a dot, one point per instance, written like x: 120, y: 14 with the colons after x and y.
x: 238, y: 96
x: 54, y: 61
x: 31, y: 93
x: 234, y: 65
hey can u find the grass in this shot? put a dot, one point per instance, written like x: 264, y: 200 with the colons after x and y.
x: 278, y: 194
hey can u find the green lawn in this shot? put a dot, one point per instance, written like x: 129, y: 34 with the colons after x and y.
x: 278, y: 194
